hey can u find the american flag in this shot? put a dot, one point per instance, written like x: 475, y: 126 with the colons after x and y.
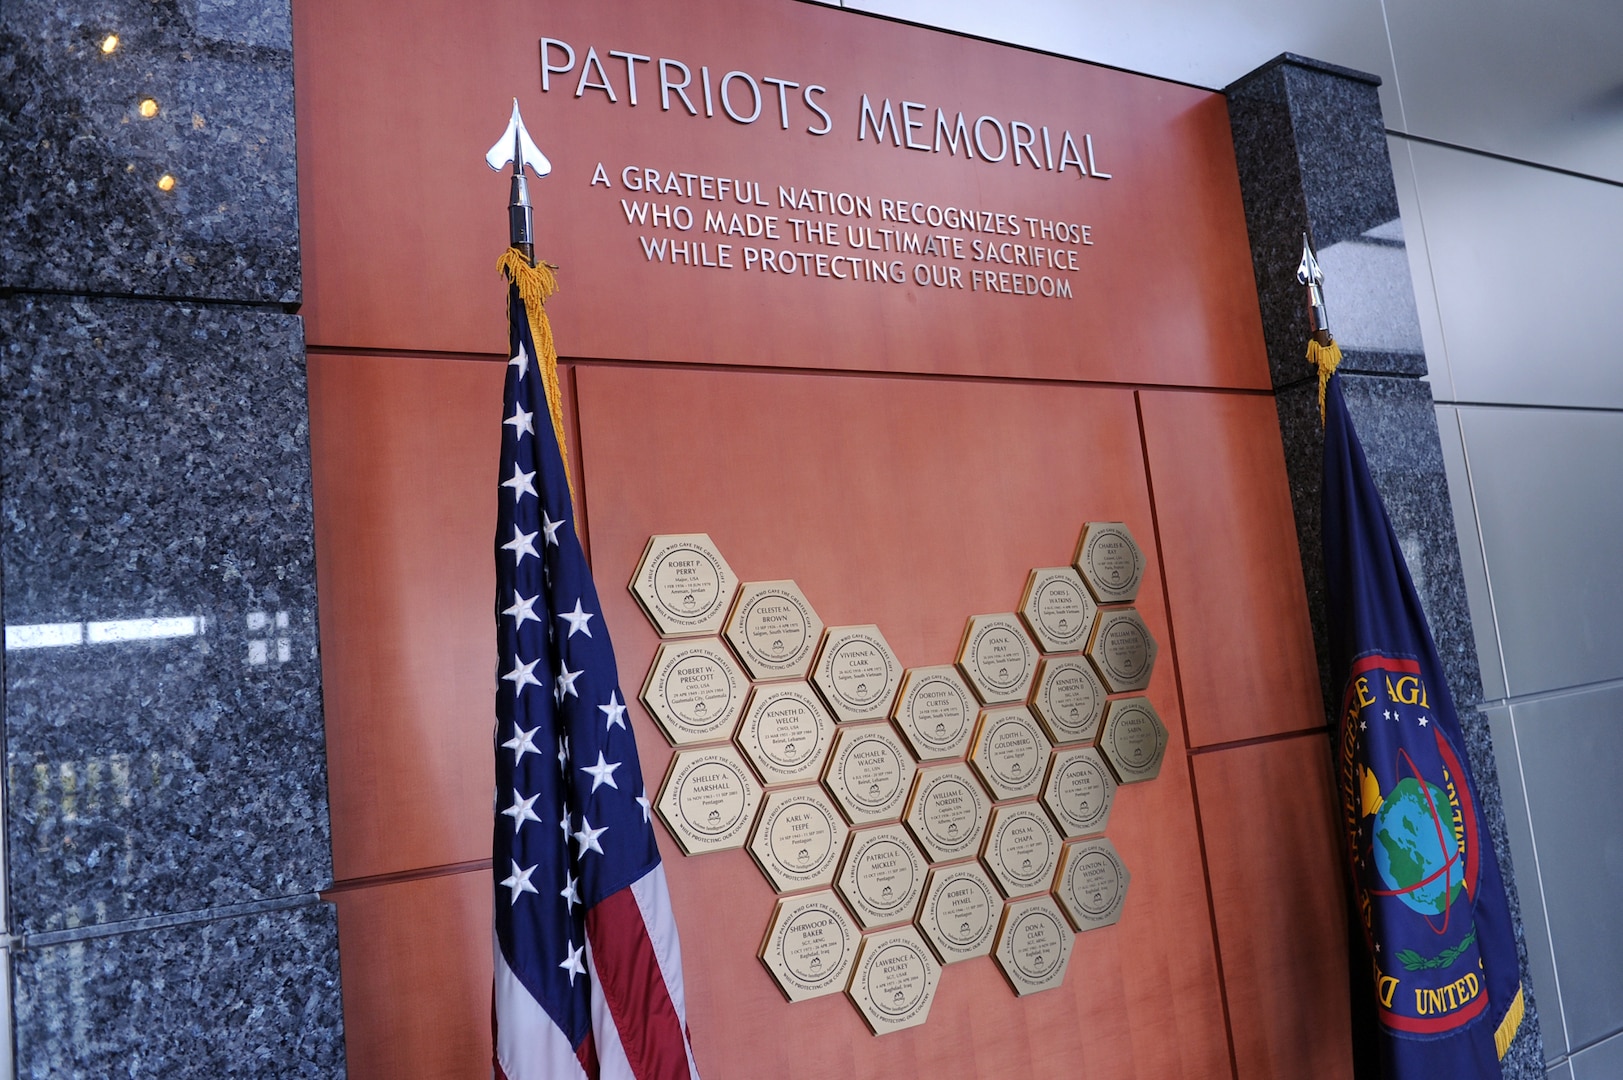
x: 588, y: 969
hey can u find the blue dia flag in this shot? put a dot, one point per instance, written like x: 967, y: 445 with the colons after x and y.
x: 1427, y: 893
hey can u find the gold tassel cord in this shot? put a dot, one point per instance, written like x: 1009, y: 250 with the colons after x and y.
x: 1509, y: 1025
x: 536, y: 284
x: 1326, y: 358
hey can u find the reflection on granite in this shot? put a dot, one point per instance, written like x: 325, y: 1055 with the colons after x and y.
x: 1312, y: 155
x: 154, y: 464
x: 81, y: 209
x: 252, y: 997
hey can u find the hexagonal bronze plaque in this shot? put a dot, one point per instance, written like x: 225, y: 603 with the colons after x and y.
x: 774, y: 630
x: 1133, y: 739
x: 1058, y: 609
x: 1109, y: 560
x: 998, y: 657
x: 1068, y: 698
x: 1010, y: 752
x: 1123, y: 650
x: 881, y: 875
x: 1092, y: 885
x: 786, y: 732
x: 695, y: 691
x: 869, y: 773
x: 708, y: 799
x: 935, y: 711
x: 894, y: 980
x: 683, y: 584
x: 856, y: 673
x: 1079, y: 791
x: 947, y: 811
x: 798, y: 838
x: 810, y: 945
x: 1022, y: 849
x: 1033, y: 945
x: 960, y: 912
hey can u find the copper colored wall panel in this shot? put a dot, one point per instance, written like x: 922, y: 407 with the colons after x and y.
x: 1233, y: 571
x: 1266, y: 812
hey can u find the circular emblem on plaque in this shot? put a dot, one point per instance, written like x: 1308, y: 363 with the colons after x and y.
x: 1033, y: 945
x: 960, y: 912
x: 936, y: 712
x: 1068, y: 698
x: 1058, y: 609
x: 1010, y: 752
x: 683, y: 584
x: 708, y: 799
x: 1092, y: 884
x: 895, y: 980
x: 1109, y: 560
x: 1022, y: 849
x: 856, y: 673
x: 947, y: 811
x: 1133, y: 739
x: 798, y: 838
x: 869, y: 772
x: 1079, y: 791
x: 786, y: 732
x: 1123, y: 650
x: 810, y: 945
x: 998, y: 657
x: 774, y: 630
x: 882, y: 875
x: 694, y: 691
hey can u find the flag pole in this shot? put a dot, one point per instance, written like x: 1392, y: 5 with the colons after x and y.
x: 1322, y: 350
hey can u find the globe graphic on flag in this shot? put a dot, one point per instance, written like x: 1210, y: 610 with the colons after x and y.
x: 1416, y: 851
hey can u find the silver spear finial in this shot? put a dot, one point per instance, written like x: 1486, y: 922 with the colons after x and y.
x: 1309, y: 274
x: 516, y: 146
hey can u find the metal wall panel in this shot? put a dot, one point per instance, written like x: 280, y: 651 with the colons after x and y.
x: 1525, y: 263
x: 1476, y: 571
x: 1551, y: 511
x: 1571, y: 756
x: 1603, y: 1061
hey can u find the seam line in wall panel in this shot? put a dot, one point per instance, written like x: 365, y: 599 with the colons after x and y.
x: 1538, y: 875
x: 87, y: 932
x: 1556, y: 693
x: 1482, y: 553
x: 268, y: 307
x: 1258, y: 740
x: 1533, y: 406
x: 1431, y: 269
x: 414, y: 874
x: 1183, y: 716
x: 1391, y: 51
x: 1574, y: 173
x: 581, y: 513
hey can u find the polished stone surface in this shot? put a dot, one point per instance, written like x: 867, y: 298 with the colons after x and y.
x: 81, y: 209
x: 154, y: 464
x: 252, y: 997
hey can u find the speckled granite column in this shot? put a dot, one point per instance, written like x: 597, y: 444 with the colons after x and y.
x: 1311, y: 148
x: 165, y: 778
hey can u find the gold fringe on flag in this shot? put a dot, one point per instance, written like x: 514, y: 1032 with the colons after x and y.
x: 535, y: 284
x: 1509, y: 1025
x: 1326, y: 358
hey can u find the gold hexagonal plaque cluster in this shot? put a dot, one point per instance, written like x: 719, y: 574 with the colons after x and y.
x: 998, y: 657
x: 895, y: 980
x: 1057, y: 609
x: 774, y: 630
x: 1133, y: 739
x: 695, y: 691
x: 810, y: 945
x: 1033, y: 945
x: 882, y: 875
x: 786, y: 733
x: 960, y: 912
x: 869, y: 773
x: 683, y: 584
x: 1079, y: 791
x: 947, y: 811
x: 708, y: 799
x: 1123, y: 650
x: 1022, y: 849
x: 1092, y: 886
x: 935, y: 711
x: 1068, y: 698
x: 798, y: 838
x: 1109, y: 560
x: 1010, y: 752
x: 856, y: 673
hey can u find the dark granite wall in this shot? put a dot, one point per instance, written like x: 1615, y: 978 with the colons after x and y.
x: 165, y: 784
x: 1312, y: 153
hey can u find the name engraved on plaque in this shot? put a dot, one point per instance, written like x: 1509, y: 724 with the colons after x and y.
x: 785, y: 733
x: 708, y: 799
x: 1069, y: 698
x: 683, y: 584
x: 959, y: 913
x: 1092, y: 884
x: 1123, y: 650
x: 1034, y: 945
x: 882, y: 875
x: 797, y: 838
x: 694, y: 691
x: 1010, y: 752
x: 1133, y: 739
x: 774, y: 630
x: 998, y: 658
x: 948, y: 812
x: 810, y: 945
x: 1022, y: 849
x: 895, y: 980
x: 856, y: 672
x: 1110, y: 561
x: 1058, y: 609
x: 936, y: 712
x: 1079, y: 791
x: 869, y: 772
